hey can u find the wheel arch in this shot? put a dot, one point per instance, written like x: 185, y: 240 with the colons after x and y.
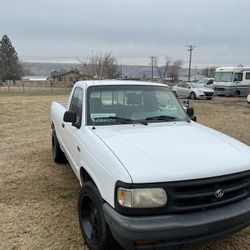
x: 237, y: 92
x: 53, y: 126
x: 85, y: 176
x: 192, y: 92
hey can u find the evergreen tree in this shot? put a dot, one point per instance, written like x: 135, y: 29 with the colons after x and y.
x: 10, y: 67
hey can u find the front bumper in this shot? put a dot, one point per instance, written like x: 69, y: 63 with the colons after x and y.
x: 204, y: 97
x: 177, y: 229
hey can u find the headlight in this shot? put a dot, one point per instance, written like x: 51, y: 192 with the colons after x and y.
x: 142, y: 197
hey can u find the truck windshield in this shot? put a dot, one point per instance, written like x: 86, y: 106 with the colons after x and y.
x: 223, y: 77
x: 123, y: 104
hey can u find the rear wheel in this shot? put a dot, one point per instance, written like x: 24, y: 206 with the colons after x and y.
x: 192, y: 96
x: 94, y: 228
x: 58, y: 155
x: 237, y: 93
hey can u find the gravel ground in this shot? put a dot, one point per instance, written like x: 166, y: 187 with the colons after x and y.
x: 38, y: 198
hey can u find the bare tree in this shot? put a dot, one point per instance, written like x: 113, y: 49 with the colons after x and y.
x: 174, y: 69
x: 168, y: 62
x: 100, y: 66
x: 209, y: 71
x: 163, y: 70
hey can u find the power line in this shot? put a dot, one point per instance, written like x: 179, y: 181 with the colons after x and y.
x: 190, y: 49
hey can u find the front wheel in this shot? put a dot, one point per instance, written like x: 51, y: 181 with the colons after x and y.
x: 192, y: 96
x: 95, y: 231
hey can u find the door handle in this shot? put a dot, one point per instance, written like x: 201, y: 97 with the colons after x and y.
x: 63, y: 125
x: 78, y: 148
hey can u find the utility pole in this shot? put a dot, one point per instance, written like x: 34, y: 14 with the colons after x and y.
x: 152, y: 58
x: 121, y: 70
x: 190, y: 49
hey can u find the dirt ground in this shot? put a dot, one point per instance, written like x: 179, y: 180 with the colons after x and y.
x: 38, y: 198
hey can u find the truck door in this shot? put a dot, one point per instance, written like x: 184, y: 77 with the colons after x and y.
x: 71, y: 132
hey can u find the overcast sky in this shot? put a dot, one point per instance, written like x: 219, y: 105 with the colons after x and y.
x: 133, y: 30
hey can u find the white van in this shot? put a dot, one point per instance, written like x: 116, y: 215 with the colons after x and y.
x: 232, y: 81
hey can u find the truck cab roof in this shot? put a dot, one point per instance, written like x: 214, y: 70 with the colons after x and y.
x: 88, y: 83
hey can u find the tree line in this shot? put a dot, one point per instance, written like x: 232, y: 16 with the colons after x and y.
x: 97, y: 65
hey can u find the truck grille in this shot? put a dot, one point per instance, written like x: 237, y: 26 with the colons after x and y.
x: 195, y: 195
x: 203, y: 194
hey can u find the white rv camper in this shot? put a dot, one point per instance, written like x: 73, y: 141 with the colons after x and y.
x: 232, y: 81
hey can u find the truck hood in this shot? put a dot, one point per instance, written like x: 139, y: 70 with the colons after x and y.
x: 172, y: 151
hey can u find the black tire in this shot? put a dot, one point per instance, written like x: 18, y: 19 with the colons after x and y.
x: 192, y: 96
x: 95, y: 230
x: 237, y: 93
x: 57, y: 153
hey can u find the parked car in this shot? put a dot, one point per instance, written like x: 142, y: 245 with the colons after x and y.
x: 151, y: 177
x: 208, y: 82
x: 248, y: 97
x: 193, y: 90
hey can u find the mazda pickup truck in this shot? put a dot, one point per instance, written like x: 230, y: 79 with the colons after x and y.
x: 151, y: 177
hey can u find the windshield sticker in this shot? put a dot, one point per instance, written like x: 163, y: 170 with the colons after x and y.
x: 101, y: 115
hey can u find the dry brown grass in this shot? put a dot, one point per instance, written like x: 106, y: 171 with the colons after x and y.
x: 38, y: 199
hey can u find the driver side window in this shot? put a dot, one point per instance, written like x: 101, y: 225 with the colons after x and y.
x: 76, y: 105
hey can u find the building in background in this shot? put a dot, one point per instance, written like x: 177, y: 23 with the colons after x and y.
x: 27, y: 80
x: 67, y: 78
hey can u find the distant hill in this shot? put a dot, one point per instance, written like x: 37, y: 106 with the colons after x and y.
x: 131, y: 71
x: 45, y: 68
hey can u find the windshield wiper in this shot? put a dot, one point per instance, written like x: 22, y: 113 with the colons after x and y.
x: 161, y: 118
x: 122, y: 120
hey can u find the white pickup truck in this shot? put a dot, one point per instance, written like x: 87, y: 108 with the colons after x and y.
x: 151, y: 177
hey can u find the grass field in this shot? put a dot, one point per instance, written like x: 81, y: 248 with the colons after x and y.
x: 38, y: 199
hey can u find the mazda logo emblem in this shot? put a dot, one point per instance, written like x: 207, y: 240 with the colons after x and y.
x: 219, y: 193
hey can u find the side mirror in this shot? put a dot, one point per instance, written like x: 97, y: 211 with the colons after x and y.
x: 70, y: 116
x: 190, y: 112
